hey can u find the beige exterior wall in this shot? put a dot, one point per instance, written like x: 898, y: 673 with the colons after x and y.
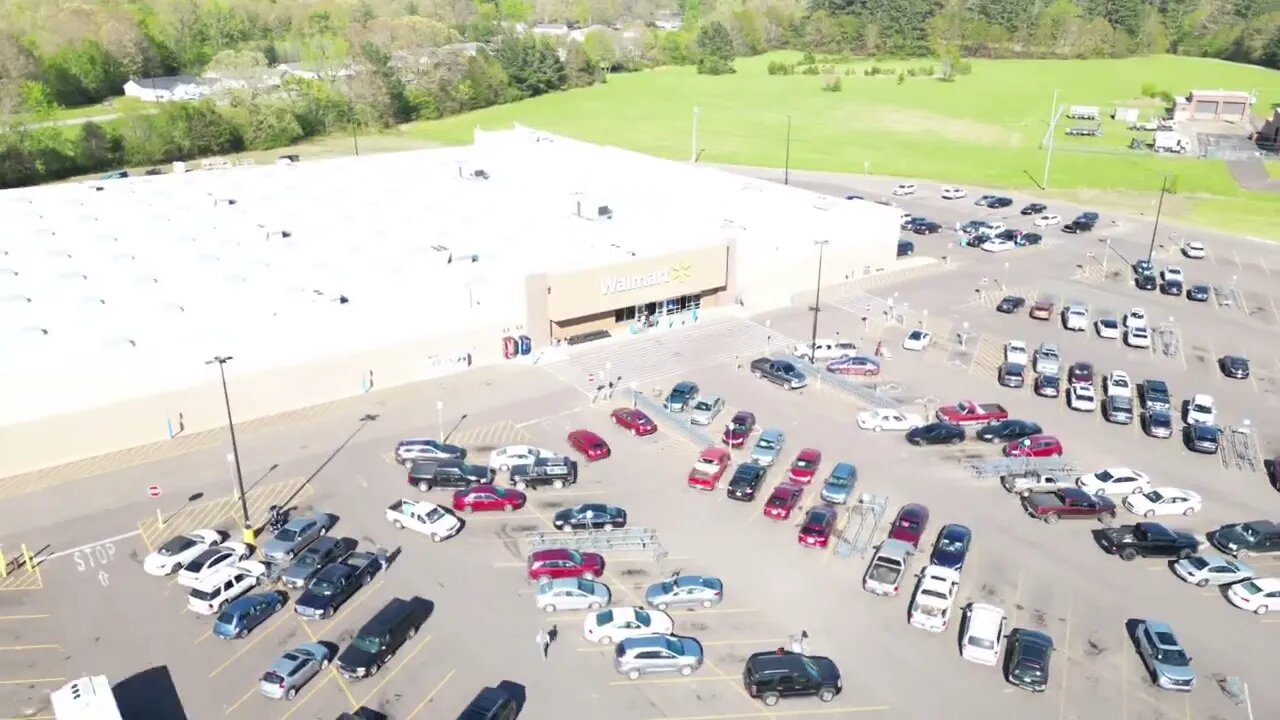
x: 603, y: 290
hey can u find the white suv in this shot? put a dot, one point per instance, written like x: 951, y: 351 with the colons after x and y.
x: 824, y: 350
x: 213, y: 593
x: 953, y: 193
x: 982, y: 634
x: 905, y: 189
x: 1075, y: 318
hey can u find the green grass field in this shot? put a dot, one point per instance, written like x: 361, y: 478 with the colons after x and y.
x: 986, y: 128
x: 1274, y: 168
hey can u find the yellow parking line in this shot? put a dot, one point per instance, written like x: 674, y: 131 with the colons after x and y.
x: 36, y: 681
x: 207, y: 634
x: 784, y: 713
x: 5, y: 648
x: 431, y: 694
x: 341, y: 682
x: 252, y: 691
x: 284, y: 615
x: 22, y: 617
x: 399, y: 666
x: 307, y: 697
x: 356, y: 603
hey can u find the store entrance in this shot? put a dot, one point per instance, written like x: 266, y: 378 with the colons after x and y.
x: 661, y: 312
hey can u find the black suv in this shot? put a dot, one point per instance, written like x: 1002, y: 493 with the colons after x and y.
x: 1145, y: 281
x: 381, y: 637
x: 554, y: 471
x: 746, y: 482
x: 774, y: 675
x: 456, y: 474
x: 1027, y: 659
x: 490, y: 704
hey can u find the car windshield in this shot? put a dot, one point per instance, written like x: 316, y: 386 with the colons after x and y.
x: 226, y: 618
x: 838, y: 481
x: 934, y: 594
x: 805, y: 463
x: 908, y: 523
x: 1154, y: 496
x: 177, y: 545
x: 368, y: 643
x: 1247, y: 532
x: 643, y: 618
x: 287, y: 535
x: 1105, y: 476
x: 323, y: 588
x: 950, y: 545
x: 604, y: 617
x: 1172, y: 656
x: 1108, y: 323
x: 780, y: 500
x: 1250, y: 587
x: 435, y: 514
x: 205, y: 595
x: 310, y: 559
x: 981, y: 642
x: 1029, y: 670
x: 1202, y: 408
x: 1197, y: 562
x: 766, y: 444
x: 916, y: 335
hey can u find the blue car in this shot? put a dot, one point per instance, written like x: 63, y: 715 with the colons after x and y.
x: 681, y: 397
x: 951, y: 547
x: 839, y: 484
x: 246, y: 613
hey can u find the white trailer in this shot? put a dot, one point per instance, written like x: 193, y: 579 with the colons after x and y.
x: 89, y: 698
x: 1169, y: 142
x: 1084, y: 112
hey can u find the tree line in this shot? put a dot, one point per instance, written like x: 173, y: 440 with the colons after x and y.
x: 410, y: 58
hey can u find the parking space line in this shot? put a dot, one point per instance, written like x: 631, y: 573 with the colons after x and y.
x: 784, y: 713
x: 1066, y: 667
x: 696, y: 677
x: 252, y: 691
x: 207, y: 634
x: 284, y: 615
x: 341, y: 682
x: 1017, y: 598
x: 22, y: 617
x: 307, y: 697
x: 1263, y: 264
x: 431, y: 695
x: 36, y: 681
x: 15, y: 648
x: 386, y: 678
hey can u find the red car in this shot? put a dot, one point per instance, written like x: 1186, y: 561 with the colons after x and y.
x: 1036, y: 446
x: 634, y: 421
x: 805, y: 466
x: 709, y: 468
x: 553, y: 564
x: 488, y: 497
x: 589, y: 444
x: 910, y: 523
x: 739, y: 429
x: 784, y: 499
x: 817, y: 527
x: 856, y: 365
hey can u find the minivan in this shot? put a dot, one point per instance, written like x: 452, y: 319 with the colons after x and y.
x: 379, y: 639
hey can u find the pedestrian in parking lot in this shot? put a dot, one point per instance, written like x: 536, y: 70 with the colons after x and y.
x: 544, y: 642
x: 552, y: 634
x: 609, y: 392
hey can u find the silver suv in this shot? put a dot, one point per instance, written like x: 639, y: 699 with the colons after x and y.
x: 705, y: 409
x: 645, y: 654
x: 1164, y: 657
x: 415, y: 449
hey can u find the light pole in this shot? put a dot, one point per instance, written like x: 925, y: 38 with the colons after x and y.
x: 1004, y: 281
x: 693, y: 148
x: 222, y: 361
x: 440, y: 418
x: 786, y: 171
x: 1106, y: 256
x: 1164, y: 188
x: 817, y: 300
x: 1053, y: 128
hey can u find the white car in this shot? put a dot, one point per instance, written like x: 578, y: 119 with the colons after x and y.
x: 1082, y: 397
x: 1194, y: 250
x: 211, y: 561
x: 1172, y: 273
x: 1015, y: 351
x: 180, y: 550
x: 1108, y: 328
x: 1137, y: 337
x: 953, y: 193
x: 617, y: 624
x: 1201, y: 410
x: 1048, y: 359
x: 1117, y: 383
x: 917, y: 340
x: 999, y: 246
x: 905, y: 189
x: 1259, y: 595
x: 571, y: 594
x: 1115, y: 481
x: 1075, y: 318
x: 1163, y: 501
x: 992, y: 228
x: 885, y: 419
x: 216, y: 591
x: 1047, y: 219
x: 1137, y: 317
x: 935, y: 594
x: 505, y: 458
x: 982, y: 634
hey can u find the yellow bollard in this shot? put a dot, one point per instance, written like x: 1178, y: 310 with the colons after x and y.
x: 27, y: 559
x: 249, y: 536
x: 159, y: 518
x: 4, y: 565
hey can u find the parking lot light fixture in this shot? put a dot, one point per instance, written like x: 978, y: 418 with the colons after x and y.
x: 1155, y: 227
x: 786, y: 167
x: 817, y: 298
x: 1004, y: 281
x: 221, y: 361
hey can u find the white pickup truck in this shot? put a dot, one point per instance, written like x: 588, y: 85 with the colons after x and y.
x: 424, y: 517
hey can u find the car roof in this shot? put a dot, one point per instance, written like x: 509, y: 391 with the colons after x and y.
x: 913, y: 509
x: 895, y: 548
x: 1074, y: 493
x: 744, y: 415
x: 952, y: 530
x: 685, y: 385
x: 820, y: 512
x: 1159, y: 626
x: 985, y: 614
x: 585, y: 435
x: 1034, y: 640
x: 244, y: 602
x: 809, y: 453
x: 713, y: 453
x: 771, y: 433
x: 552, y: 554
x: 713, y: 399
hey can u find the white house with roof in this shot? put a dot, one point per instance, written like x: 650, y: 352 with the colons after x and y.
x: 169, y: 88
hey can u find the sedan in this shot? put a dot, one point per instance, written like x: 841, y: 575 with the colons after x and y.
x: 1033, y: 209
x: 505, y: 458
x: 591, y: 445
x: 1080, y: 373
x: 886, y: 419
x: 685, y: 591
x: 1136, y: 317
x: 936, y: 433
x: 1137, y: 337
x: 953, y: 193
x: 211, y: 561
x: 180, y: 550
x: 1198, y: 293
x: 1082, y: 398
x: 997, y: 203
x: 1201, y: 410
x: 1201, y: 438
x: 782, y: 501
x: 705, y: 409
x: 322, y: 552
x: 984, y: 201
x: 1042, y: 310
x: 1028, y: 655
x: 295, y: 536
x: 488, y: 498
x: 1029, y: 238
x: 1206, y: 570
x: 739, y: 429
x: 590, y: 516
x: 767, y: 447
x: 805, y: 466
x: 680, y: 397
x: 1010, y: 304
x: 617, y: 624
x: 927, y: 227
x: 815, y: 531
x: 1234, y: 366
x: 917, y: 340
x: 839, y: 484
x: 571, y: 594
x: 293, y: 670
x: 1259, y: 595
x: 1036, y: 446
x: 1194, y: 250
x: 854, y: 365
x: 1007, y: 430
x: 1157, y: 424
x: 952, y: 547
x: 245, y: 613
x: 1049, y: 386
x: 910, y: 523
x: 1163, y: 501
x: 904, y: 189
x: 634, y: 421
x: 1077, y: 226
x: 1115, y: 481
x: 999, y: 246
x: 1047, y: 219
x: 1146, y: 281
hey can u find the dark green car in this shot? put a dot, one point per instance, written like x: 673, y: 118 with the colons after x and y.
x: 1027, y: 659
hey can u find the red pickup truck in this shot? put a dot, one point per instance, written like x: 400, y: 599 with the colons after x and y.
x: 967, y: 412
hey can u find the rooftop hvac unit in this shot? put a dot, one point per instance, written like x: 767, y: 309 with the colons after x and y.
x: 472, y: 173
x: 594, y: 212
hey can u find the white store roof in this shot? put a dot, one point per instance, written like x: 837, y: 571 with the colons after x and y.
x: 156, y: 274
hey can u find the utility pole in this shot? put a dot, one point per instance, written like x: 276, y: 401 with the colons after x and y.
x: 1053, y: 130
x: 693, y: 149
x: 786, y: 172
x: 817, y: 300
x: 222, y: 361
x: 1164, y: 188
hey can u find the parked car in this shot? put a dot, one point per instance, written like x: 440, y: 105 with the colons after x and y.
x: 1042, y: 310
x: 686, y: 591
x: 430, y: 474
x: 805, y: 466
x: 1202, y: 438
x: 1082, y: 398
x: 1070, y: 503
x: 1154, y: 395
x: 322, y: 552
x: 1036, y: 446
x: 1157, y: 423
x: 1206, y: 570
x: 854, y: 365
x: 1033, y: 209
x: 210, y: 561
x: 887, y: 568
x: 649, y: 654
x: 570, y: 594
x: 1049, y: 386
x: 1201, y: 409
x: 816, y: 529
x: 1010, y: 304
x: 953, y: 193
x: 1137, y: 337
x: 1108, y: 328
x: 917, y: 340
x: 906, y: 248
x: 982, y: 634
x: 1075, y: 318
x: 1012, y: 375
x: 590, y: 516
x: 1198, y: 293
x: 1258, y: 595
x: 557, y: 563
x: 179, y: 550
x: 681, y: 396
x: 824, y: 350
x: 1147, y: 539
x: 739, y: 429
x: 1007, y: 430
x: 1118, y: 409
x: 634, y: 421
x: 886, y: 419
x: 245, y: 613
x: 417, y: 449
x: 377, y: 641
x: 592, y: 446
x: 1027, y: 661
x: 904, y: 189
x: 705, y: 409
x: 910, y: 523
x: 486, y: 498
x: 936, y: 433
x: 951, y: 547
x: 294, y: 669
x: 1115, y: 481
x: 709, y: 468
x: 335, y: 584
x: 773, y: 675
x: 1257, y: 537
x: 782, y: 501
x: 768, y: 446
x: 1163, y: 501
x: 746, y: 482
x: 612, y: 625
x: 1165, y: 659
x: 505, y: 458
x: 1234, y: 366
x: 935, y: 594
x: 558, y: 472
x: 839, y: 483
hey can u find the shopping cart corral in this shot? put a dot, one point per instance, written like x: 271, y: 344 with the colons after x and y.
x: 1238, y: 448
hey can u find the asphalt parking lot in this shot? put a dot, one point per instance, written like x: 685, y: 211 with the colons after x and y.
x: 90, y: 609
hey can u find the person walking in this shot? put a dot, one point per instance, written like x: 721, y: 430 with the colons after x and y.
x: 544, y: 642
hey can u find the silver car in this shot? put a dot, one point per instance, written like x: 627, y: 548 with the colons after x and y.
x: 1206, y: 570
x: 647, y: 654
x: 293, y: 670
x: 705, y: 409
x: 1047, y: 359
x: 295, y: 536
x: 1166, y: 660
x: 322, y: 552
x: 685, y: 591
x: 768, y: 447
x: 571, y: 594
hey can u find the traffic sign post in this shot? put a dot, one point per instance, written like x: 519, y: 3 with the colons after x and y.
x: 154, y: 491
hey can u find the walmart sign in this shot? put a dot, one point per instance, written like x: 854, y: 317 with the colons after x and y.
x: 625, y: 283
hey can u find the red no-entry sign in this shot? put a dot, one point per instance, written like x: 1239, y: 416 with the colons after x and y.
x: 153, y: 490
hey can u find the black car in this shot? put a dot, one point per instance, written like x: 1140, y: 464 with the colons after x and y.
x: 1147, y: 539
x: 1201, y: 438
x: 335, y: 584
x: 1007, y: 430
x: 1012, y: 375
x: 590, y: 516
x: 1049, y: 386
x: 1143, y: 267
x: 454, y: 474
x: 1027, y: 659
x: 491, y: 704
x: 1089, y: 217
x: 952, y: 547
x: 746, y: 482
x: 1198, y: 293
x: 936, y: 433
x: 380, y: 638
x: 1078, y: 226
x: 1080, y: 372
x: 1157, y: 424
x: 906, y: 248
x: 999, y: 202
x: 1171, y: 287
x: 1154, y: 394
x: 1146, y: 281
x: 1011, y: 304
x: 554, y: 471
x: 928, y: 227
x: 1009, y: 234
x: 774, y: 674
x: 1234, y: 366
x: 1033, y: 209
x: 1028, y: 238
x: 911, y: 221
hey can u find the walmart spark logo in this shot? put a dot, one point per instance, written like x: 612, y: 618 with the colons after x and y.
x: 681, y: 271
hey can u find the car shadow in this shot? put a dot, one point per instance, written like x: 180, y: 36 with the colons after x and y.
x: 150, y: 693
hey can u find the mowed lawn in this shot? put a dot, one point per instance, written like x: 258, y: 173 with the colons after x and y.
x: 986, y: 128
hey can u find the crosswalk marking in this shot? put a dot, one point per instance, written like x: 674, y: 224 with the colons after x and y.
x: 987, y: 357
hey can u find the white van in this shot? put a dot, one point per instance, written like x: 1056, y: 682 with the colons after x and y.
x: 213, y: 593
x: 825, y: 350
x: 983, y: 632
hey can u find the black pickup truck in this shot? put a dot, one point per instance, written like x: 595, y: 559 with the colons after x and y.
x: 448, y: 473
x: 1147, y: 539
x: 783, y: 373
x: 335, y: 585
x: 557, y: 472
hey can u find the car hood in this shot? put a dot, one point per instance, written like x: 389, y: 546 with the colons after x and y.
x: 828, y: 673
x: 312, y: 600
x: 1230, y: 537
x: 1177, y: 672
x: 276, y: 547
x: 354, y: 657
x: 835, y: 491
x: 299, y: 574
